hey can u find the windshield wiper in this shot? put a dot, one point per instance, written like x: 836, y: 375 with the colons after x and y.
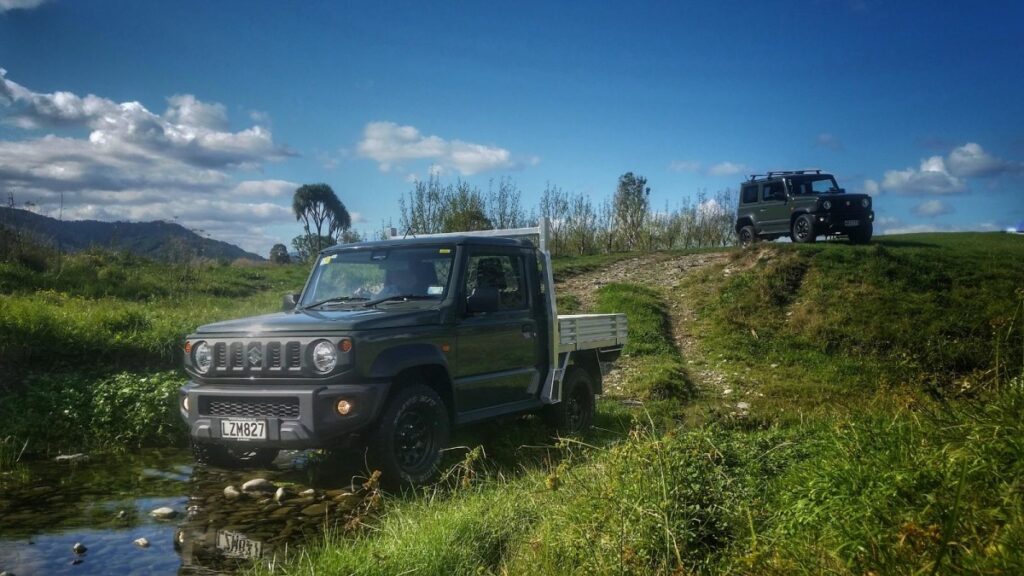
x: 336, y: 299
x: 372, y: 303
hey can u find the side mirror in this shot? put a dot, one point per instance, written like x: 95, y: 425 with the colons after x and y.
x: 289, y: 302
x: 482, y: 300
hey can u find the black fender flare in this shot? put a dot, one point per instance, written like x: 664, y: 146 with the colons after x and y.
x: 745, y: 221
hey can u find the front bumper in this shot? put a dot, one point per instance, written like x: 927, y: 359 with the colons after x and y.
x: 297, y: 417
x: 829, y: 223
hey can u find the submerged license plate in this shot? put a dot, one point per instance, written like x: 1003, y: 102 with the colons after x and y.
x: 244, y: 429
x: 238, y: 545
x: 852, y: 223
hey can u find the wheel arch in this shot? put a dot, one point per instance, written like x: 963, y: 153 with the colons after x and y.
x: 744, y: 221
x: 589, y: 362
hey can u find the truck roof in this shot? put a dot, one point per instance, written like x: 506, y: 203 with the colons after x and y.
x: 434, y: 241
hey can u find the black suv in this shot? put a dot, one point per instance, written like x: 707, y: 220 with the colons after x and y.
x: 804, y: 204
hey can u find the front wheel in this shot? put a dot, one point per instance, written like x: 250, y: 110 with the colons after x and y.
x: 861, y: 234
x: 802, y: 231
x: 233, y: 457
x: 407, y: 441
x: 575, y: 413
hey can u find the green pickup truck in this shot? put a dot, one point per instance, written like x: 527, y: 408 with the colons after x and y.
x: 389, y: 346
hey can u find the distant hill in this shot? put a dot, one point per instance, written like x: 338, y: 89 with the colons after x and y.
x: 157, y: 240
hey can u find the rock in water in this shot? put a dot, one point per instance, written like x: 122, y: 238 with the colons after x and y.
x: 71, y: 458
x: 79, y: 548
x: 163, y: 513
x: 231, y: 493
x: 141, y: 543
x: 307, y: 493
x: 282, y: 494
x: 258, y: 485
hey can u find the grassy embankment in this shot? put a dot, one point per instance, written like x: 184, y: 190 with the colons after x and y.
x: 882, y: 433
x: 89, y: 349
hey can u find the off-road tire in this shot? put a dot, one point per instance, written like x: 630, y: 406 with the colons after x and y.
x: 747, y: 236
x: 860, y: 235
x: 802, y: 230
x: 575, y: 413
x: 406, y: 442
x: 233, y: 457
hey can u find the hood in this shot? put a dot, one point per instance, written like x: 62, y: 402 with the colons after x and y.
x: 324, y: 321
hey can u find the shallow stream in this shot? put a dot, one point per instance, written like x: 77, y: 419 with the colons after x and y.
x: 104, y: 503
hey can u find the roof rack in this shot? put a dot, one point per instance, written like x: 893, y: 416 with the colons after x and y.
x: 774, y: 173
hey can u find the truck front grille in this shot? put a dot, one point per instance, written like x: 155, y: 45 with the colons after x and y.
x: 239, y: 408
x: 233, y: 358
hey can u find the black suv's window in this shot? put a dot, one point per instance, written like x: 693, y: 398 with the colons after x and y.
x: 813, y: 185
x: 750, y: 193
x: 504, y: 272
x: 773, y: 189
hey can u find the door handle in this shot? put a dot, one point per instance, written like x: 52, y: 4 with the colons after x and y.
x: 528, y: 331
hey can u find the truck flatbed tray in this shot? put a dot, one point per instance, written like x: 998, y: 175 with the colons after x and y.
x: 590, y: 331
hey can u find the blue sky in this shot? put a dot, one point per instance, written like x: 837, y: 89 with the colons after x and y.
x: 212, y: 112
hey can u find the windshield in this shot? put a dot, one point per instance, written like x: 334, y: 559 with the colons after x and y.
x: 359, y: 276
x: 814, y: 185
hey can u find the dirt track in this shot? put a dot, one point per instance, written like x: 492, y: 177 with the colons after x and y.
x: 663, y: 273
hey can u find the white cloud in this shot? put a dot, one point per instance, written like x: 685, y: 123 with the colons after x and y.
x: 916, y: 229
x: 127, y: 163
x: 931, y: 178
x: 358, y: 218
x: 830, y: 141
x: 870, y: 187
x: 971, y: 160
x: 6, y: 5
x: 932, y: 208
x: 391, y: 145
x: 684, y: 166
x: 727, y: 169
x: 710, y: 208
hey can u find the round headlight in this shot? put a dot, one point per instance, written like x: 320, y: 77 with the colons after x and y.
x: 865, y: 202
x: 325, y: 356
x: 201, y: 357
x: 827, y: 204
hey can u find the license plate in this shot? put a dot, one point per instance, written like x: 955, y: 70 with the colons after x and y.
x: 244, y: 429
x: 852, y: 223
x: 238, y: 545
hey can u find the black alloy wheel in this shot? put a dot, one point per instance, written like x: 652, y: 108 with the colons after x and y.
x: 803, y: 229
x: 406, y: 443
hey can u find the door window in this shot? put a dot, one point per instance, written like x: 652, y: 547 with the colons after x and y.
x: 773, y: 191
x: 502, y: 272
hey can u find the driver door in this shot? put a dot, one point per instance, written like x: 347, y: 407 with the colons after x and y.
x: 498, y: 351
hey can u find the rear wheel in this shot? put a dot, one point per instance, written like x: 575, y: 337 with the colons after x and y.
x: 575, y: 413
x: 232, y: 456
x: 802, y: 231
x: 412, y: 430
x: 861, y: 234
x: 747, y: 236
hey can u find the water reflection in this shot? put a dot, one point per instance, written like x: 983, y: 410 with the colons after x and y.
x: 105, y: 504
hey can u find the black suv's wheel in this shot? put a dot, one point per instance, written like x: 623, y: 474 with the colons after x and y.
x: 575, y: 413
x: 802, y: 231
x: 233, y: 457
x: 861, y: 234
x: 407, y: 441
x: 747, y: 236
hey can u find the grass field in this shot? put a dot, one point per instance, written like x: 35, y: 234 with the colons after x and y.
x: 881, y: 428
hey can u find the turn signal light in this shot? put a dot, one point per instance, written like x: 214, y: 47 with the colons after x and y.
x: 343, y: 407
x: 345, y: 345
x: 188, y: 347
